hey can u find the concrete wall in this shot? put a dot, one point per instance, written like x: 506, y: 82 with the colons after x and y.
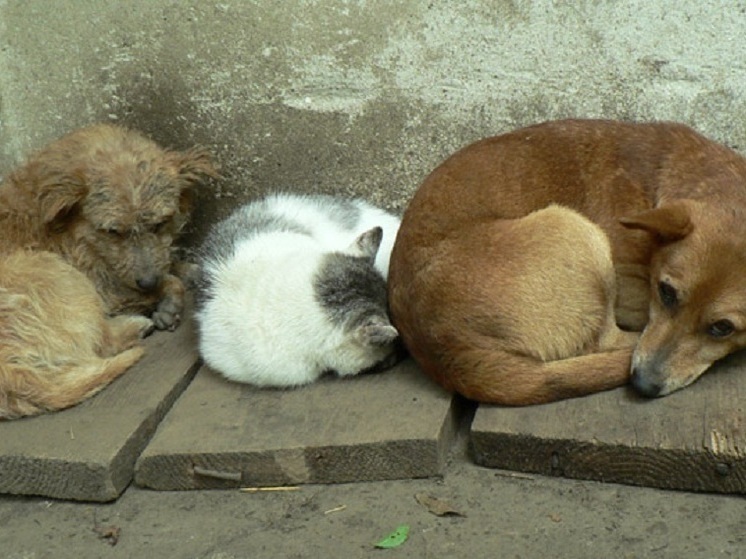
x: 358, y: 97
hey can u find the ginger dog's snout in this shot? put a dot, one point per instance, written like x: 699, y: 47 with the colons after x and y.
x: 655, y: 357
x: 645, y: 382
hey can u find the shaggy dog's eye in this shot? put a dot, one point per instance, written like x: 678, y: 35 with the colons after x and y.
x: 721, y: 329
x: 158, y: 227
x: 668, y: 294
x: 113, y: 231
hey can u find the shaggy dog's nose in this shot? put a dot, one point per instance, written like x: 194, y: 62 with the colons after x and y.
x: 148, y: 283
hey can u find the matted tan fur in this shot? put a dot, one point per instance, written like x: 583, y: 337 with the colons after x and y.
x: 87, y: 226
x: 111, y: 202
x: 508, y: 306
x: 58, y: 346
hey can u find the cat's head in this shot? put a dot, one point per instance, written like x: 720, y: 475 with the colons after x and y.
x: 352, y: 294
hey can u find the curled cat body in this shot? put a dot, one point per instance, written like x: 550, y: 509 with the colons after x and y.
x: 293, y: 287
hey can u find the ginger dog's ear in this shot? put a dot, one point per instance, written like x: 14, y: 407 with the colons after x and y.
x: 58, y: 195
x: 668, y: 223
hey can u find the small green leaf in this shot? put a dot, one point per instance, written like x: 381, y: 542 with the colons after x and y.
x: 395, y: 538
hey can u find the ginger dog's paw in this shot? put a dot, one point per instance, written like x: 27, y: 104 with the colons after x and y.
x: 168, y: 315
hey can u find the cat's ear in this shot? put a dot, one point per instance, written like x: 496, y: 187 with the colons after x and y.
x: 377, y: 331
x: 367, y: 244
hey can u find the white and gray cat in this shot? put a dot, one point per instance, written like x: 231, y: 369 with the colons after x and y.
x: 293, y: 287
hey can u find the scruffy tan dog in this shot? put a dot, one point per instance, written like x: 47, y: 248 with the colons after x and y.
x: 507, y: 304
x: 111, y: 202
x: 57, y: 347
x: 86, y: 230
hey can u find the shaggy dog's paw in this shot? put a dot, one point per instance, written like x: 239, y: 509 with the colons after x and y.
x: 167, y: 316
x: 147, y: 327
x: 187, y: 272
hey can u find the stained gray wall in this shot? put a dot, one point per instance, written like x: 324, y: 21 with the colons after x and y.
x: 358, y: 97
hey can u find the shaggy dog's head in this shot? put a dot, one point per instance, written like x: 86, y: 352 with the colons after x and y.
x: 123, y: 200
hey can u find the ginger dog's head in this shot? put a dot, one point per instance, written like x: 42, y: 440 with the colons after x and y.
x: 123, y: 202
x: 698, y: 294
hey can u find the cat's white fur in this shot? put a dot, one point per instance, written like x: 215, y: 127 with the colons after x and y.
x: 261, y: 321
x: 313, y: 213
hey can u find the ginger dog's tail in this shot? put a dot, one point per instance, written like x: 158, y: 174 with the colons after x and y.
x: 27, y: 390
x: 500, y: 377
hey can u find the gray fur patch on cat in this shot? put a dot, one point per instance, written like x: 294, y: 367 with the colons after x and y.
x: 244, y: 223
x: 350, y: 290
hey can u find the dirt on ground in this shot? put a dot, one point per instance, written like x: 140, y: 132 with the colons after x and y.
x: 495, y: 514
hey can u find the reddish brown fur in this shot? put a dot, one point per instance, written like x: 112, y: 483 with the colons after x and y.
x: 111, y: 202
x: 58, y: 347
x: 673, y: 205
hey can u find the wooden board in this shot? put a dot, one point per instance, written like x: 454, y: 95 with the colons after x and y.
x: 694, y: 439
x: 395, y: 424
x: 88, y: 452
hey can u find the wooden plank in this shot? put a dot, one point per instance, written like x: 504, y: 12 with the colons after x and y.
x: 395, y: 424
x: 694, y: 439
x: 88, y: 452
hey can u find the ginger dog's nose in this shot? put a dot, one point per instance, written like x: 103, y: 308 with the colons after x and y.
x: 643, y: 385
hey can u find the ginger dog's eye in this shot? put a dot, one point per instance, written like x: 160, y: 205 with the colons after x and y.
x: 721, y: 329
x: 668, y: 294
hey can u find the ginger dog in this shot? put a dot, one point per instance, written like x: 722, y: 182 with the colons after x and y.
x: 111, y: 202
x: 57, y: 345
x: 507, y: 304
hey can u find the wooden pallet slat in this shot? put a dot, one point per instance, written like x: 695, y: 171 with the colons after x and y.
x: 88, y: 452
x: 694, y: 439
x: 390, y: 425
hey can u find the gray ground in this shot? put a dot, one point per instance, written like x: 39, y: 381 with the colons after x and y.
x: 505, y: 515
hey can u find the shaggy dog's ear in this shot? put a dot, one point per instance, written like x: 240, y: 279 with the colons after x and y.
x: 58, y: 194
x: 193, y: 166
